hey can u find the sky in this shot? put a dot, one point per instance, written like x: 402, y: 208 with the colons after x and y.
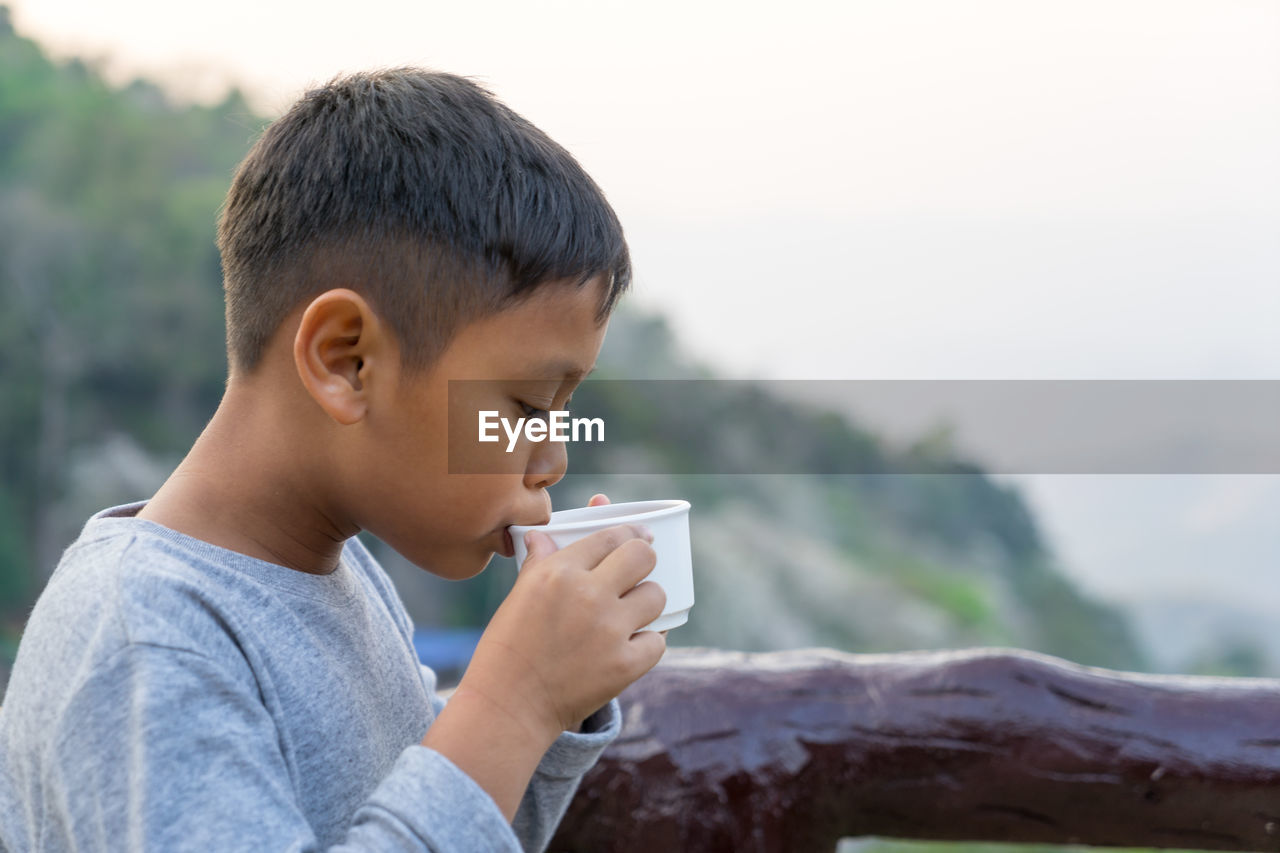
x: 852, y: 190
x: 901, y: 189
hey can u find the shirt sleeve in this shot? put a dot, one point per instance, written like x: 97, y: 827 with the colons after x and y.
x: 166, y: 749
x: 558, y: 774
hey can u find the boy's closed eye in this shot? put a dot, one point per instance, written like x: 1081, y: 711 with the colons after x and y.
x: 534, y: 413
x: 539, y: 413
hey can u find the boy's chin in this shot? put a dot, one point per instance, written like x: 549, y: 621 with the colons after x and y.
x: 457, y: 567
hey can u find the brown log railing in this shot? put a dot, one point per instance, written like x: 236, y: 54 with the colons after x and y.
x: 792, y: 751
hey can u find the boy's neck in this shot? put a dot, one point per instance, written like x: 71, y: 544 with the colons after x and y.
x: 248, y: 488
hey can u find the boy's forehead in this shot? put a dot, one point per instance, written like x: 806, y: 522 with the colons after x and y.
x: 556, y: 333
x: 558, y: 369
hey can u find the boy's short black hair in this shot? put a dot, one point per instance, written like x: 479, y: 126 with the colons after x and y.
x: 420, y: 191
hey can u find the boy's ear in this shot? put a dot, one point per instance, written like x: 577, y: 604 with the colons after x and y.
x: 338, y: 345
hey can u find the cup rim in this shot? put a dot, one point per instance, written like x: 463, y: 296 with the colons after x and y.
x: 640, y: 512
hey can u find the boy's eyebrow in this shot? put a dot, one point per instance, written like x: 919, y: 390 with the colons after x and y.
x: 564, y: 370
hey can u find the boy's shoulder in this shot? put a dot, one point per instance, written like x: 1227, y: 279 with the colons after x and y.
x: 127, y: 581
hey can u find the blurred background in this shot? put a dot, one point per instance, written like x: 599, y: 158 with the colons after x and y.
x: 866, y: 190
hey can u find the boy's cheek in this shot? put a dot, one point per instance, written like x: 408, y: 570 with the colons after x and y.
x: 475, y: 457
x: 487, y: 460
x: 472, y: 450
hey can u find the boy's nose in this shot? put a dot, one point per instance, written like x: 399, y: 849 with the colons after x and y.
x: 547, y: 465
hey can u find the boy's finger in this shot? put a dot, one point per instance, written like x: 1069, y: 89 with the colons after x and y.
x: 645, y: 603
x: 598, y: 500
x: 648, y: 647
x: 629, y: 564
x: 538, y: 544
x: 590, y: 550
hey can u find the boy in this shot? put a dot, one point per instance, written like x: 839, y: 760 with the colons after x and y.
x: 225, y: 667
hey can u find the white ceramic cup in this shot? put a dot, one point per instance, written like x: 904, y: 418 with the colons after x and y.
x: 669, y: 521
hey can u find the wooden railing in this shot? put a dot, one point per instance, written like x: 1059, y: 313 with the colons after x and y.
x: 792, y: 751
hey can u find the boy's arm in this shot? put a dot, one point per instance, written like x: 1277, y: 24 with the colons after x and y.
x: 559, y: 772
x: 559, y: 775
x: 502, y: 750
x: 496, y: 749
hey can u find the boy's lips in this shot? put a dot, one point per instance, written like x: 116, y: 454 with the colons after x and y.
x: 508, y: 547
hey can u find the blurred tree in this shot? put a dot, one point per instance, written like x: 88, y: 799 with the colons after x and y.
x: 110, y: 292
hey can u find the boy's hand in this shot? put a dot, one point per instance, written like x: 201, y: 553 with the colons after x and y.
x: 567, y: 639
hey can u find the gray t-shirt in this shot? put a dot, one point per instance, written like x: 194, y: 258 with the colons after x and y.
x: 172, y: 695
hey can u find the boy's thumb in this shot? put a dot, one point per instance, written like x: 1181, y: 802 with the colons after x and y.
x: 538, y: 544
